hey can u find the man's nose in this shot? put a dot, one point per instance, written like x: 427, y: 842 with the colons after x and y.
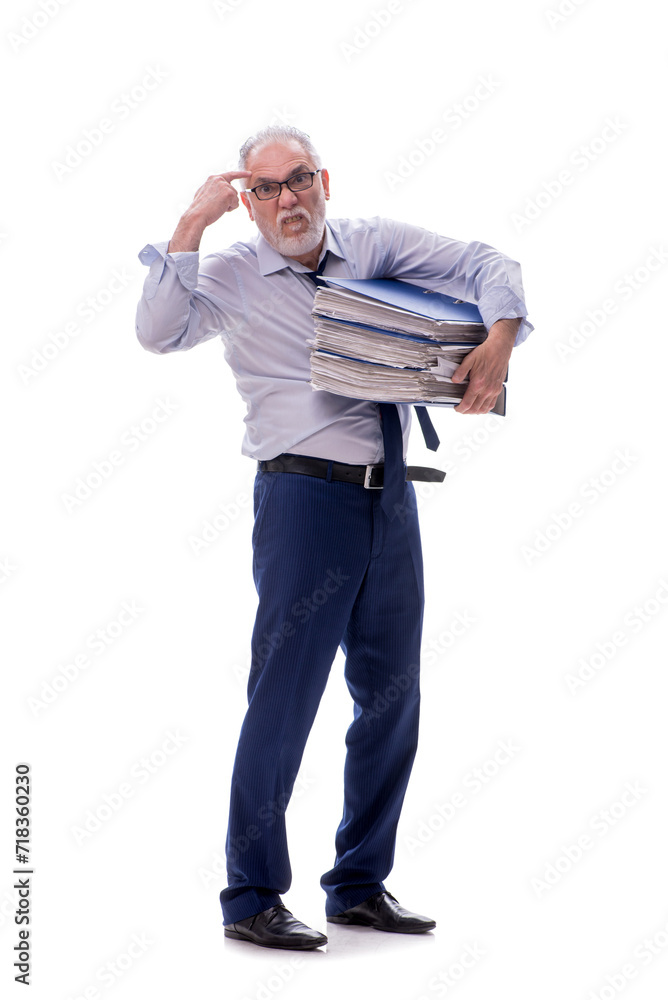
x: 287, y: 198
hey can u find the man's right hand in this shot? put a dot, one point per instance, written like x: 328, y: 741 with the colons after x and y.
x: 215, y: 197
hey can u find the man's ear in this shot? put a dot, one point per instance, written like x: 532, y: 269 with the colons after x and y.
x: 247, y: 202
x: 325, y: 182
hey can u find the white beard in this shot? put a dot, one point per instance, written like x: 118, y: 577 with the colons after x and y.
x: 301, y: 243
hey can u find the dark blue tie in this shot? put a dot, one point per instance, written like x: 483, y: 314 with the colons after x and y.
x: 394, y: 475
x: 431, y: 438
x: 315, y: 275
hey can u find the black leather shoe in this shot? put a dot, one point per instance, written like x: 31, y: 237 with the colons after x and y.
x: 383, y: 912
x: 276, y: 928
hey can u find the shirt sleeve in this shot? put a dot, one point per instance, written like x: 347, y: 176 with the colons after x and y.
x: 475, y: 272
x: 178, y: 309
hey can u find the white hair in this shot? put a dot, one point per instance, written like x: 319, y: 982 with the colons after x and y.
x: 278, y: 133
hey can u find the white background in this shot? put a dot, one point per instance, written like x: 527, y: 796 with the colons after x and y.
x: 370, y: 94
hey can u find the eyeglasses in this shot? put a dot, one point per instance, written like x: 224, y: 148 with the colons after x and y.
x: 272, y: 189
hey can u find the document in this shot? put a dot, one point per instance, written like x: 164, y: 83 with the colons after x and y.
x: 391, y: 341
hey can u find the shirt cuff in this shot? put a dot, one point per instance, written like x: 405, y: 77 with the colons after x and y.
x: 156, y: 257
x: 503, y: 303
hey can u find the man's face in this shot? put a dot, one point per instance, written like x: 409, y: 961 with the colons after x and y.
x: 294, y: 222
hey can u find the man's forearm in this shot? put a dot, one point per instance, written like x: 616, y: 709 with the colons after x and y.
x: 187, y: 235
x: 215, y: 197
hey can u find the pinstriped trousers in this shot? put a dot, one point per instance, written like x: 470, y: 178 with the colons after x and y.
x: 330, y: 569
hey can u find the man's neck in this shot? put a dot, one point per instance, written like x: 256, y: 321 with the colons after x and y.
x: 310, y: 260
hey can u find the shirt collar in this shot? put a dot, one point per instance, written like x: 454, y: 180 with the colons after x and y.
x: 270, y: 260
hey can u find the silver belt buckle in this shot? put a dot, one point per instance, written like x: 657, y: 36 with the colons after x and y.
x: 367, y: 478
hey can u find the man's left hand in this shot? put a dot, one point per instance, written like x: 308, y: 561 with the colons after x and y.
x: 486, y: 366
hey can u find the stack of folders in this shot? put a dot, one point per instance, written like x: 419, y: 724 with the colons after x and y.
x: 391, y: 341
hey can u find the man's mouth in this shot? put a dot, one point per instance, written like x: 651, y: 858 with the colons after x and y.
x: 292, y: 220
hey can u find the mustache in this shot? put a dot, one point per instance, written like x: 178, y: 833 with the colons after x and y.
x: 287, y: 214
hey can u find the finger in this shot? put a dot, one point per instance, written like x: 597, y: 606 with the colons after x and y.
x: 477, y: 400
x: 467, y: 401
x: 461, y: 371
x: 484, y: 403
x: 475, y: 409
x: 234, y: 175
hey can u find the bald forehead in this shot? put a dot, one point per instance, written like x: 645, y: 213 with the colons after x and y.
x: 274, y: 159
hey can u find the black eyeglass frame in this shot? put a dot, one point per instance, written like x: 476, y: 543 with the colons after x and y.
x: 300, y: 173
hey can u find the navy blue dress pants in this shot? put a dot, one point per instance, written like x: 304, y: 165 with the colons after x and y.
x: 331, y: 570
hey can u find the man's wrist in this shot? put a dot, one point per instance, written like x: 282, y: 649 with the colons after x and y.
x: 504, y: 331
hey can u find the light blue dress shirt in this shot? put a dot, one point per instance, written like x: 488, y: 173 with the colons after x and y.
x: 259, y: 302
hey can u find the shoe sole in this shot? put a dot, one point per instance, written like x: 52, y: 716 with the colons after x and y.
x: 306, y: 946
x: 392, y: 930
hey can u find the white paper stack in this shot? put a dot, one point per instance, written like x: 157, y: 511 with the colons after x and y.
x: 391, y: 341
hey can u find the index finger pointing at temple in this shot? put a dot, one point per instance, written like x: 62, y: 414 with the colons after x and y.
x: 234, y: 175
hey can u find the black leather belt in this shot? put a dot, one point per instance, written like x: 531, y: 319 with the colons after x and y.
x: 370, y: 476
